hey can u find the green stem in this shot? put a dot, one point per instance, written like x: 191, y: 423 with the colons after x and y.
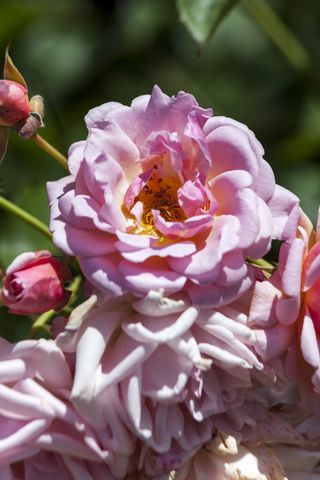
x: 264, y: 265
x: 75, y: 287
x: 41, y: 322
x: 26, y: 217
x: 53, y: 152
x: 279, y: 33
x: 261, y: 262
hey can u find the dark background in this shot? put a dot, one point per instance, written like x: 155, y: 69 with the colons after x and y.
x: 81, y: 53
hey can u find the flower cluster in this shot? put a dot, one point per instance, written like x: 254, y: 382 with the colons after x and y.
x: 190, y: 356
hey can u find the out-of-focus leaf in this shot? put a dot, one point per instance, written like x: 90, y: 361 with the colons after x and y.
x: 13, y: 327
x: 20, y: 237
x: 305, y: 186
x: 4, y: 135
x: 303, y: 144
x: 202, y: 17
x: 11, y: 72
x: 141, y: 21
x: 274, y: 27
x: 43, y: 42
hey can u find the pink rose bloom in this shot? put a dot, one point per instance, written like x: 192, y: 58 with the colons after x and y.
x: 249, y: 423
x: 275, y: 451
x: 34, y: 284
x: 41, y: 434
x: 164, y: 368
x: 224, y: 459
x: 285, y: 311
x: 162, y: 195
x: 14, y: 103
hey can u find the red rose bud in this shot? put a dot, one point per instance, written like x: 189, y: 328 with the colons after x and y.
x: 34, y: 284
x: 14, y: 103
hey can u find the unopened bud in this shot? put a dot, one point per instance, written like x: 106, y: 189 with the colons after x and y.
x: 14, y: 103
x: 34, y: 283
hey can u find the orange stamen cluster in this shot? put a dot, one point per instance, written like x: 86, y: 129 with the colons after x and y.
x: 160, y: 194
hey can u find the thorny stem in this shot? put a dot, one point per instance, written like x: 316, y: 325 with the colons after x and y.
x: 26, y: 217
x: 53, y: 152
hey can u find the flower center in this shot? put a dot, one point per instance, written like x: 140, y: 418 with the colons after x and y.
x: 15, y: 288
x: 160, y: 194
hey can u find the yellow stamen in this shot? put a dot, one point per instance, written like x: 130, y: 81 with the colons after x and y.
x: 160, y: 194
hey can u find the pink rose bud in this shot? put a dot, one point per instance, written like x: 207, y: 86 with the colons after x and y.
x: 34, y: 284
x: 14, y: 103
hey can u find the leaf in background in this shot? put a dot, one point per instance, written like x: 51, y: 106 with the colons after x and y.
x: 11, y: 72
x: 202, y: 17
x: 4, y: 135
x: 14, y: 327
x: 17, y: 236
x: 279, y: 33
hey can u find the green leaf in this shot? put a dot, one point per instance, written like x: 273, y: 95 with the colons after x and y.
x: 202, y: 17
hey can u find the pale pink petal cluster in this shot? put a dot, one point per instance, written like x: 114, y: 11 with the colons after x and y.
x: 159, y: 368
x: 224, y: 459
x: 276, y: 451
x: 285, y: 311
x: 163, y: 195
x: 41, y: 434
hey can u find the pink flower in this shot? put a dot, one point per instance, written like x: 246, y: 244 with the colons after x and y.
x: 277, y: 451
x: 52, y: 465
x: 224, y: 459
x: 14, y: 103
x: 165, y: 369
x: 34, y: 284
x: 164, y: 196
x: 41, y: 434
x: 286, y: 311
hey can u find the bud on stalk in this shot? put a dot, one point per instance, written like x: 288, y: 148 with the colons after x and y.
x: 14, y: 103
x: 34, y: 283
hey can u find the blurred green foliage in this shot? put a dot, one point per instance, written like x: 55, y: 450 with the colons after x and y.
x: 81, y: 53
x: 203, y: 17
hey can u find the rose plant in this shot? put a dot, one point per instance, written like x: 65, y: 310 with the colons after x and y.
x: 187, y: 355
